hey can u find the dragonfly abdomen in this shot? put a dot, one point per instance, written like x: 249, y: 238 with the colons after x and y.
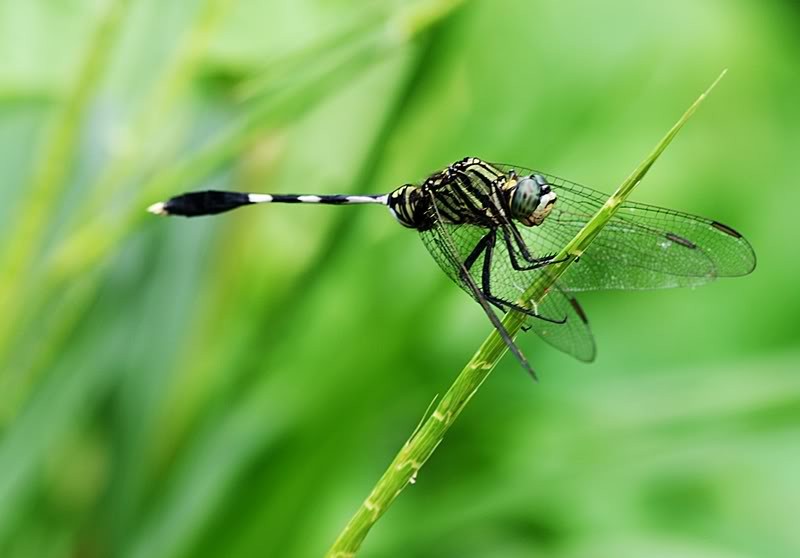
x: 211, y: 202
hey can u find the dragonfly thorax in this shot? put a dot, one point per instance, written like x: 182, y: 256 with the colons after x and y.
x: 473, y: 192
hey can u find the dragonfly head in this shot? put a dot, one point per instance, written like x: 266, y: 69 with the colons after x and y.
x: 532, y: 200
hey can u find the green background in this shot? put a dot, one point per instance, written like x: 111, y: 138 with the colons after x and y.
x: 235, y: 386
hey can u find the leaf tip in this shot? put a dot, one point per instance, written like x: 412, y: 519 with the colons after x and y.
x: 715, y: 82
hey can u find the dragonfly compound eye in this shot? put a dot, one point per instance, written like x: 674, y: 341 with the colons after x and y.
x: 525, y: 199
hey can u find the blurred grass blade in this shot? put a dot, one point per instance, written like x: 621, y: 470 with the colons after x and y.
x: 33, y: 295
x: 380, y: 29
x: 23, y: 244
x: 423, y: 443
x: 169, y: 89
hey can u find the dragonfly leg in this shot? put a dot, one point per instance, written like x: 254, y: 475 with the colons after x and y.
x: 535, y: 263
x: 486, y: 282
x: 477, y: 251
x: 481, y: 248
x: 469, y: 282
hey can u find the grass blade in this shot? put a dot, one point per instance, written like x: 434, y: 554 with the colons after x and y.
x: 27, y: 232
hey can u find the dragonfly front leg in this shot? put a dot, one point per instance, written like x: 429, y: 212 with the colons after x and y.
x: 533, y: 263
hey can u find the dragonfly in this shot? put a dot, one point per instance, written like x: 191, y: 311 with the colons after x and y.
x: 494, y: 229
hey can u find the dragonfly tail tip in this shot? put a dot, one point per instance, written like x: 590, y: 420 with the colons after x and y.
x: 159, y: 208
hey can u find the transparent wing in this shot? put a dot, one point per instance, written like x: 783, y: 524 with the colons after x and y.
x: 560, y: 322
x: 574, y: 336
x: 506, y: 284
x: 642, y: 246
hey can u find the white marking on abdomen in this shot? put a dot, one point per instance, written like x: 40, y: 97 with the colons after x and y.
x: 366, y: 199
x: 309, y: 199
x: 259, y: 198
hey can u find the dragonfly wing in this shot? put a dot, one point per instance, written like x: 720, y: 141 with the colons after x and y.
x: 574, y: 336
x: 559, y: 318
x: 560, y: 322
x: 451, y: 245
x: 642, y: 246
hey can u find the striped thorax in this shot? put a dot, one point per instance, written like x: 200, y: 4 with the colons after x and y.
x: 473, y: 192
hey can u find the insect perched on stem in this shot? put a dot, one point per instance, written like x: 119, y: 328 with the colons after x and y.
x: 495, y: 229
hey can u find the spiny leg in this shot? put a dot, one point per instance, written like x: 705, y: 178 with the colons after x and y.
x: 486, y: 274
x: 535, y: 263
x: 486, y: 284
x: 498, y: 325
x: 486, y: 247
x: 479, y: 249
